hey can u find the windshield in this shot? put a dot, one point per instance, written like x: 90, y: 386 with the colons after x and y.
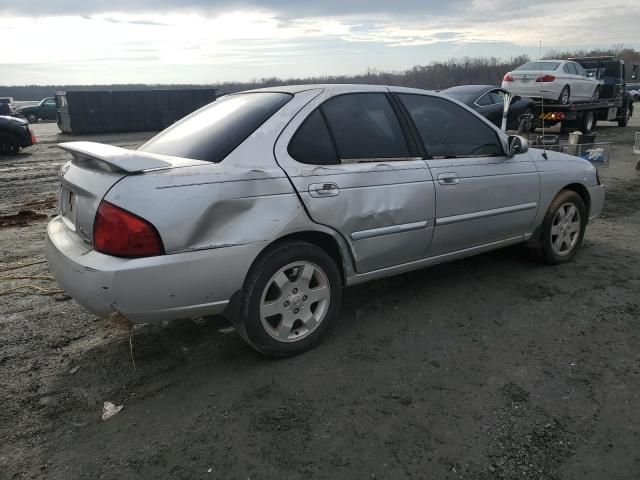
x: 539, y: 66
x: 212, y: 132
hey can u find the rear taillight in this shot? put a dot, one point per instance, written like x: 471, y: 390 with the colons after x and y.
x: 121, y: 233
x: 507, y: 78
x: 33, y: 137
x: 546, y: 78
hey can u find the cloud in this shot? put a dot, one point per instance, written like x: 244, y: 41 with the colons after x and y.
x: 198, y: 40
x: 285, y: 8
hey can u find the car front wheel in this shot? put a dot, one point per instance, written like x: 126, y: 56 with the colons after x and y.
x: 32, y: 118
x: 8, y: 144
x: 563, y: 228
x: 291, y: 295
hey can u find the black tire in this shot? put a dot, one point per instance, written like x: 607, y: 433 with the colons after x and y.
x: 32, y: 117
x: 589, y: 122
x: 545, y: 250
x: 565, y: 95
x: 9, y: 144
x: 624, y: 120
x: 248, y: 320
x: 596, y: 94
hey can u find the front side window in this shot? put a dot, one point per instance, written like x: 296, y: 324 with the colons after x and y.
x: 212, y: 132
x: 448, y: 130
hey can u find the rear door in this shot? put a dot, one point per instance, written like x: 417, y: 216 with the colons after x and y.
x: 483, y: 196
x: 356, y: 170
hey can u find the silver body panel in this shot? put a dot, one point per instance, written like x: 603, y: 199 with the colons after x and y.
x: 385, y: 217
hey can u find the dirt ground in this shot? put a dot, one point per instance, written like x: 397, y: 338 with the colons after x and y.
x: 494, y: 367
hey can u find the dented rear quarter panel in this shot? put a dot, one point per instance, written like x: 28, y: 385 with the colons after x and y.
x: 246, y: 198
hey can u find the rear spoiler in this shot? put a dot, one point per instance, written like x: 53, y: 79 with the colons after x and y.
x: 122, y: 159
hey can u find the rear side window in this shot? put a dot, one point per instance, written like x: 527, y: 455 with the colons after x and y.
x: 485, y: 100
x: 214, y: 131
x: 312, y: 142
x: 365, y: 126
x: 448, y: 130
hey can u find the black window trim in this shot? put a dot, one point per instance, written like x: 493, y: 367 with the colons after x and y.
x: 446, y: 157
x: 413, y: 146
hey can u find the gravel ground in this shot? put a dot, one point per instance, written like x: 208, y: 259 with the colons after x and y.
x: 493, y: 367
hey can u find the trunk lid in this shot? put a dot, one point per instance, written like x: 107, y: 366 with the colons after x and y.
x: 94, y: 169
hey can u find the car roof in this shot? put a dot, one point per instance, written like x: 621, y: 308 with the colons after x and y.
x: 336, y: 87
x: 471, y: 88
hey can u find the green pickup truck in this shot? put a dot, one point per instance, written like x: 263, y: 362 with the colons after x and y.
x: 45, y: 110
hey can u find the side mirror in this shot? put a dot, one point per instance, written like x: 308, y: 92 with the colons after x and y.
x: 517, y: 145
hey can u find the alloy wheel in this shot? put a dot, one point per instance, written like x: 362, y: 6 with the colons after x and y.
x: 565, y: 229
x: 295, y: 301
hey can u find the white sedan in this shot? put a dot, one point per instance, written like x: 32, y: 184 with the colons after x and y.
x: 558, y: 80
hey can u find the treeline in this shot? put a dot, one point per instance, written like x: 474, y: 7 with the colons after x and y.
x: 434, y: 76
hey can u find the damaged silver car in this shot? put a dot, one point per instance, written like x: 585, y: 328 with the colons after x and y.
x: 265, y: 204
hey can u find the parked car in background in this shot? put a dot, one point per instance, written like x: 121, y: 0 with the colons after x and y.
x: 14, y: 135
x: 45, y: 110
x: 633, y: 89
x: 264, y: 204
x: 561, y: 81
x: 488, y: 101
x: 7, y: 107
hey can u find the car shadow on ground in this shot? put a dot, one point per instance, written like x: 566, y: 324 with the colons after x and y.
x: 169, y: 353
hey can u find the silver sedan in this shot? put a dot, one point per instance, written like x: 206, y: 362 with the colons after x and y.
x: 265, y: 204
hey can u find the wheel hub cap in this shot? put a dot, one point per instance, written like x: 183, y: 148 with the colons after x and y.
x: 295, y: 301
x: 565, y: 229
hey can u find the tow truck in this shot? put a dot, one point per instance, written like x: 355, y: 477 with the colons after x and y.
x: 614, y: 103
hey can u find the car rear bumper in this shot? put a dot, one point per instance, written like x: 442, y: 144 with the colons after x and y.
x: 596, y: 196
x: 548, y: 91
x: 166, y: 287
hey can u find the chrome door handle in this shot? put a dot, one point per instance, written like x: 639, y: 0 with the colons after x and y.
x: 448, y: 179
x: 323, y: 190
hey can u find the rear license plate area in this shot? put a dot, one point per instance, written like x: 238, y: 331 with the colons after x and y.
x: 68, y: 205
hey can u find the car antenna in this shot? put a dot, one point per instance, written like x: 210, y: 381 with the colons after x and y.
x: 544, y: 145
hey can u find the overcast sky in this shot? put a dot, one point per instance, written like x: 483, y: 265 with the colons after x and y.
x: 200, y: 41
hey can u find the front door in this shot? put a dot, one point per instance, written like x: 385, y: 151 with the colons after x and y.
x: 356, y: 171
x: 483, y: 196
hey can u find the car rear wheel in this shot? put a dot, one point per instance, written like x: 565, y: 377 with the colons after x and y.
x: 32, y: 118
x: 8, y: 144
x: 565, y: 95
x: 291, y: 295
x: 562, y: 229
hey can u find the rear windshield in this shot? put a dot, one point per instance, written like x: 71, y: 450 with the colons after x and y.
x: 539, y: 66
x: 214, y: 131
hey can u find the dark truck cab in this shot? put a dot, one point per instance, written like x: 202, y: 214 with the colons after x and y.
x: 45, y: 110
x: 614, y: 104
